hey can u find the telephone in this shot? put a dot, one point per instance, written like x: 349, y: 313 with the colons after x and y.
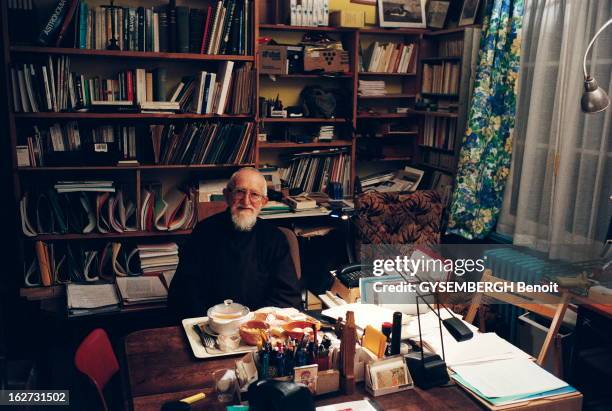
x: 349, y: 275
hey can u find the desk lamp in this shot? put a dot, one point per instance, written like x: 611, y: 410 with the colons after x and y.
x: 429, y: 370
x: 594, y: 99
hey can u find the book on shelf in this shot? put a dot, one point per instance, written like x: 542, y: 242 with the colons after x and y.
x: 389, y: 57
x: 314, y: 170
x: 71, y: 144
x: 52, y: 87
x: 442, y: 78
x: 141, y: 290
x: 439, y: 133
x: 202, y: 143
x: 222, y: 29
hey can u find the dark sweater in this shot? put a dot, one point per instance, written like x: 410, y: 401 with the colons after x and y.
x: 218, y: 262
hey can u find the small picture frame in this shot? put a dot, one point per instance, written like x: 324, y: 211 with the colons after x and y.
x: 306, y: 375
x: 468, y: 12
x: 436, y: 13
x: 402, y: 13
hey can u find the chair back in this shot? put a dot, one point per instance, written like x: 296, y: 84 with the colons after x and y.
x: 547, y: 305
x: 294, y: 249
x: 96, y: 359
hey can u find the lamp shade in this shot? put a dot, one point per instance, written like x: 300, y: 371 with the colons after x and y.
x: 594, y: 98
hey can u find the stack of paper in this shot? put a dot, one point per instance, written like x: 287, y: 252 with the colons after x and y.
x: 93, y: 185
x: 139, y: 290
x: 158, y: 257
x: 326, y: 133
x: 275, y: 207
x: 372, y: 88
x: 509, y: 381
x: 82, y: 299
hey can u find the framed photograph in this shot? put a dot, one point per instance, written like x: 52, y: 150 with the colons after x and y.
x: 401, y: 13
x: 468, y: 12
x: 436, y: 13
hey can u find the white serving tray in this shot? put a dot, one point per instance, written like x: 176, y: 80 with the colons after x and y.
x: 199, y: 350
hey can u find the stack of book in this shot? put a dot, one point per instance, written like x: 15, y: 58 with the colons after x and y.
x: 157, y: 258
x: 390, y: 58
x: 326, y: 133
x: 301, y: 203
x: 372, y: 88
x: 222, y: 29
x: 275, y: 207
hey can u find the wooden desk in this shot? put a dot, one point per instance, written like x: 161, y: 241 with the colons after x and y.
x: 160, y: 367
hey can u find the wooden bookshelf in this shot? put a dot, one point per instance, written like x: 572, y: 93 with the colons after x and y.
x: 117, y: 54
x: 271, y: 145
x: 284, y: 27
x: 109, y: 236
x: 128, y: 116
x: 389, y: 96
x: 303, y: 120
x: 370, y: 73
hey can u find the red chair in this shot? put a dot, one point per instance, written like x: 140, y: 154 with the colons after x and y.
x: 96, y: 359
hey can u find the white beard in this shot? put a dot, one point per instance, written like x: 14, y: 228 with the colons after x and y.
x: 244, y: 221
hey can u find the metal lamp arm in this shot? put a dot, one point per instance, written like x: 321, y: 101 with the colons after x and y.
x: 586, y: 75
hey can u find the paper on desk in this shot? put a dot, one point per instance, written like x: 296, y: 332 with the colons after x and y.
x: 482, y: 347
x: 362, y: 405
x: 365, y: 314
x: 518, y: 376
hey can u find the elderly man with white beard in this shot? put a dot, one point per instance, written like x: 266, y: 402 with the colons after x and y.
x: 233, y: 255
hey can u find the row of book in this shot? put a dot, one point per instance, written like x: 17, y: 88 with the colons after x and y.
x: 450, y: 48
x: 436, y: 159
x: 390, y: 58
x: 203, y: 143
x: 315, y: 171
x: 49, y: 146
x: 221, y: 29
x: 61, y: 263
x: 441, y: 78
x: 439, y: 132
x: 88, y: 207
x: 191, y: 143
x: 372, y: 88
x: 53, y: 87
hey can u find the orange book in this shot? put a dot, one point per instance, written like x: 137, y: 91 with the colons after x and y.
x: 42, y: 254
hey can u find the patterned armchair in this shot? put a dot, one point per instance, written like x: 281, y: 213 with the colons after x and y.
x: 394, y: 218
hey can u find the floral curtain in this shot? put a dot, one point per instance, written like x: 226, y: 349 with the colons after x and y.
x: 485, y: 155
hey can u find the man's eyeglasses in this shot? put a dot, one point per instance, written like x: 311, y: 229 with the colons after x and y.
x: 240, y: 193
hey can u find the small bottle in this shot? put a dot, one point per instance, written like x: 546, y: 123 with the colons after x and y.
x: 386, y: 330
x: 323, y: 358
x: 264, y: 361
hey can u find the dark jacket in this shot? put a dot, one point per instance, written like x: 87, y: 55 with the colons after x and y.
x: 218, y: 262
